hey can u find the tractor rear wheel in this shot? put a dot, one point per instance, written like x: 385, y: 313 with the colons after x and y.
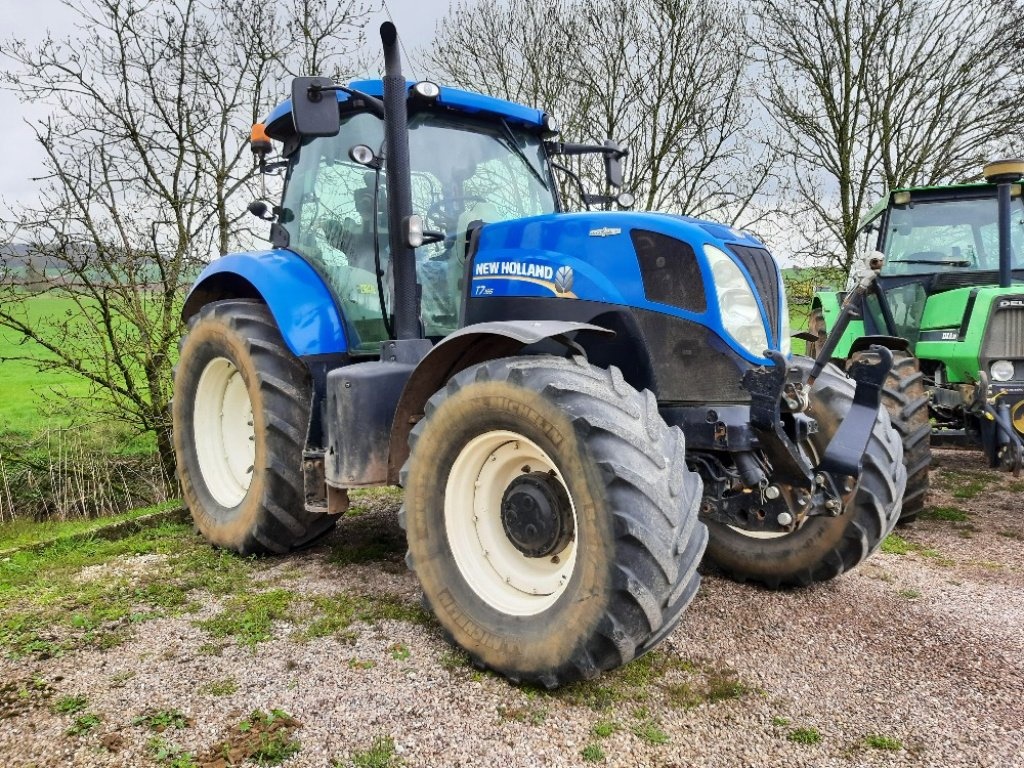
x: 551, y: 519
x: 822, y: 547
x: 241, y: 406
x: 906, y: 399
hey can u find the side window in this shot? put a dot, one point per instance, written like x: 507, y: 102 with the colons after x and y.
x: 329, y: 204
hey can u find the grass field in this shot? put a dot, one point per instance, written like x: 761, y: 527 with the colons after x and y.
x: 30, y: 399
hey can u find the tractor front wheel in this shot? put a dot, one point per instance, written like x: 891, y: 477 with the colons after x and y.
x: 241, y: 406
x: 551, y: 519
x: 822, y: 547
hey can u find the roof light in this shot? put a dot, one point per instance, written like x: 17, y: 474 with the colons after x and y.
x: 259, y: 142
x: 1004, y: 171
x: 900, y: 198
x: 426, y: 90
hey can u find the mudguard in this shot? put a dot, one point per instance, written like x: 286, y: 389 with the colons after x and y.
x: 468, y: 346
x: 828, y: 302
x: 298, y: 298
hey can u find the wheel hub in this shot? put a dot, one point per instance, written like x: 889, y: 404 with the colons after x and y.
x: 536, y: 514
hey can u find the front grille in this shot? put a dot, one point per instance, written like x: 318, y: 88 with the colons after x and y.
x: 1004, y: 337
x: 764, y: 271
x: 669, y: 270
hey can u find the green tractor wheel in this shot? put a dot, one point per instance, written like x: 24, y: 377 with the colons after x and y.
x: 551, y: 519
x: 241, y: 406
x: 822, y: 547
x: 906, y: 399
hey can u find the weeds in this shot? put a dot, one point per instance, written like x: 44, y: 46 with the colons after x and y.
x: 162, y: 719
x: 249, y: 618
x: 649, y: 730
x: 381, y: 754
x: 169, y: 755
x: 400, y: 652
x: 265, y: 738
x: 49, y: 607
x: 224, y: 687
x: 896, y: 545
x: 592, y: 753
x: 69, y: 705
x: 339, y: 612
x: 84, y: 724
x: 947, y: 514
x: 604, y: 728
x: 804, y: 736
x: 876, y: 741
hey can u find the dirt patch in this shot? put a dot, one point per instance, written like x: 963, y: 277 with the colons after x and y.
x: 914, y: 659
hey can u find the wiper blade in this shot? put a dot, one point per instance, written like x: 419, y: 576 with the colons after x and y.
x: 937, y: 262
x: 509, y: 140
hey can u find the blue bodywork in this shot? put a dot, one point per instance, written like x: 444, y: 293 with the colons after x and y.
x: 462, y: 101
x: 598, y: 249
x: 296, y: 295
x: 596, y: 246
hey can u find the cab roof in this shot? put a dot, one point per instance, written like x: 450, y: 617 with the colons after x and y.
x: 279, y: 124
x: 939, y: 192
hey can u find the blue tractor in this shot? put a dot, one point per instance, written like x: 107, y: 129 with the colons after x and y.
x: 576, y: 404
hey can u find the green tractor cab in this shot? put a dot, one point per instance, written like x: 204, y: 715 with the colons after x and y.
x: 947, y: 296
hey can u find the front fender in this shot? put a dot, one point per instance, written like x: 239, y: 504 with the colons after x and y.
x: 297, y: 296
x: 828, y: 303
x: 468, y: 346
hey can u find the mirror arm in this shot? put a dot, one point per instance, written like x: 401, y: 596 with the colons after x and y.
x: 376, y: 105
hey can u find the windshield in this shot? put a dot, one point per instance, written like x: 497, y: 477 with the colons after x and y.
x: 949, y: 236
x: 464, y: 170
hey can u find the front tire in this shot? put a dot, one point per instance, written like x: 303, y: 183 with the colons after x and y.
x: 823, y: 547
x: 240, y: 409
x: 906, y: 399
x: 551, y: 519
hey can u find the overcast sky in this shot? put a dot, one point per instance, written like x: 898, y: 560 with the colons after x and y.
x: 30, y: 20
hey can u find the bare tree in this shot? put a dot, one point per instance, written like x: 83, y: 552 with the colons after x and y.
x: 668, y: 77
x: 874, y: 94
x: 148, y: 173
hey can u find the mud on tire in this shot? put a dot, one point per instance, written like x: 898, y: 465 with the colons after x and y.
x: 241, y: 406
x: 611, y: 591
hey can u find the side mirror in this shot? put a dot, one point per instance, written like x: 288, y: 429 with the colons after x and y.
x: 315, y: 107
x: 613, y: 162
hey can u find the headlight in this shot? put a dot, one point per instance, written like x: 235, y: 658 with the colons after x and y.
x: 785, y: 342
x: 1002, y: 370
x: 741, y: 316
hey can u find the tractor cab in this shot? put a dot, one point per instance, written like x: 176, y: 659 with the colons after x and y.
x: 937, y: 240
x: 473, y: 160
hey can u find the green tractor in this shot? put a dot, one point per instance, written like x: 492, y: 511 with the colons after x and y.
x: 945, y: 292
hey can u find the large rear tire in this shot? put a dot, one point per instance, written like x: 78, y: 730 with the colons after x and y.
x: 906, y: 399
x: 241, y: 406
x: 822, y: 547
x: 551, y: 519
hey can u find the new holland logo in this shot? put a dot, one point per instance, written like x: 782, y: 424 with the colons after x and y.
x: 563, y: 280
x: 605, y: 232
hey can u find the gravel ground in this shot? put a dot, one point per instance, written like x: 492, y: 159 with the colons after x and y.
x: 914, y: 659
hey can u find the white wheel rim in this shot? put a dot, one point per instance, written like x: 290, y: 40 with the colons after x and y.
x: 223, y: 431
x: 494, y: 568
